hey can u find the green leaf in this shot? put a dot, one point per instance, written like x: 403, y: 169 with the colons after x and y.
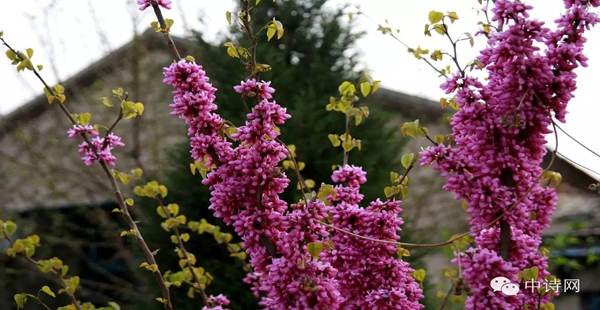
x: 407, y: 160
x: 29, y: 52
x: 59, y: 89
x: 315, y: 248
x: 84, y: 119
x: 419, y: 275
x: 437, y: 55
x: 394, y: 177
x: 435, y: 17
x: 438, y: 139
x: 271, y: 30
x: 335, y: 140
x: 118, y: 91
x: 11, y: 55
x: 365, y: 88
x: 404, y: 191
x: 535, y: 271
x: 173, y: 209
x: 471, y: 39
x: 64, y: 270
x: 389, y: 191
x: 453, y: 16
x: 257, y: 2
x: 9, y: 227
x: 20, y: 299
x: 161, y: 211
x: 114, y: 305
x: 348, y: 146
x: 232, y: 50
x: 228, y: 16
x: 48, y: 291
x: 106, y: 101
x: 440, y: 29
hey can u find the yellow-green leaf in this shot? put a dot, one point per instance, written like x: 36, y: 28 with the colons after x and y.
x: 59, y: 89
x: 114, y: 305
x: 129, y: 201
x: 161, y: 211
x: 389, y: 191
x: 11, y: 55
x: 348, y: 146
x: 407, y: 160
x: 64, y: 269
x: 335, y: 140
x: 228, y: 16
x: 453, y: 16
x: 404, y: 191
x: 139, y: 107
x: 365, y: 88
x: 173, y: 209
x: 106, y: 101
x: 185, y: 237
x: 271, y: 30
x: 84, y: 119
x: 435, y: 17
x: 438, y: 139
x: 20, y: 299
x: 419, y: 275
x: 314, y: 248
x: 48, y: 291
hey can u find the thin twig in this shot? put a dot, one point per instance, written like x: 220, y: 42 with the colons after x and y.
x: 115, y: 187
x: 54, y: 272
x: 197, y: 283
x: 456, y: 237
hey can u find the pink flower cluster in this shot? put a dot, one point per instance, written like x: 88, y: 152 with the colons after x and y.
x: 252, y: 88
x: 217, y: 302
x: 102, y: 147
x: 499, y: 133
x: 245, y: 190
x: 369, y: 277
x: 292, y: 280
x: 144, y: 4
x: 193, y: 100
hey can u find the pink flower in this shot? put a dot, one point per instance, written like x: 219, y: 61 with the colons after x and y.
x: 217, y: 302
x: 144, y: 4
x: 101, y: 150
x: 251, y: 88
x: 77, y: 129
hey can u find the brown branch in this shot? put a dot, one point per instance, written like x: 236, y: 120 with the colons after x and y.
x: 197, y: 283
x: 163, y: 25
x: 54, y: 272
x: 118, y: 195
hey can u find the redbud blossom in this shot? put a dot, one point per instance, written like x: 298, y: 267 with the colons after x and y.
x: 144, y: 4
x: 217, y: 302
x: 499, y: 133
x: 102, y: 147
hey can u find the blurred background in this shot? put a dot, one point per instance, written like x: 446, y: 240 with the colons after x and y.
x: 92, y: 47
